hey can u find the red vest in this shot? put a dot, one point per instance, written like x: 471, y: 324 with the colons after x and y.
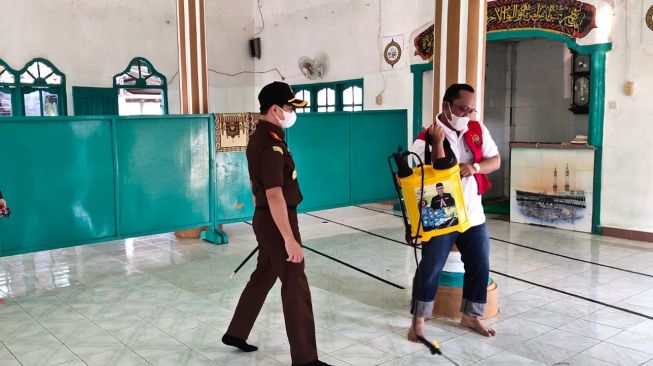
x: 474, y: 139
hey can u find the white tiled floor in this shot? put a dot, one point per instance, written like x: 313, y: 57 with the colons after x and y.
x: 161, y: 301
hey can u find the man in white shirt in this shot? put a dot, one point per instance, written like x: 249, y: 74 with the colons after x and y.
x: 477, y: 155
x: 3, y: 205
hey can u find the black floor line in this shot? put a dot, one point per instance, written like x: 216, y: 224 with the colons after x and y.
x: 538, y: 250
x: 575, y: 259
x: 575, y: 295
x: 379, y: 211
x: 508, y: 276
x: 357, y: 229
x: 349, y: 265
x: 355, y: 268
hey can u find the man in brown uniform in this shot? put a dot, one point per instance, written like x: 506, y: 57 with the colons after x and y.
x: 276, y: 196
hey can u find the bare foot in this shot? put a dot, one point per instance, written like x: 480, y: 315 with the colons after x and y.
x: 474, y: 322
x: 416, y: 329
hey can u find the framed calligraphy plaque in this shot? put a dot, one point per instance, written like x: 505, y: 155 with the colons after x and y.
x: 571, y: 18
x: 424, y: 43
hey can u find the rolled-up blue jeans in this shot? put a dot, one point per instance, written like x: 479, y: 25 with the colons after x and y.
x: 474, y: 247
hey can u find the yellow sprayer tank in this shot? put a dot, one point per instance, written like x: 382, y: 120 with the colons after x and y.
x: 442, y: 206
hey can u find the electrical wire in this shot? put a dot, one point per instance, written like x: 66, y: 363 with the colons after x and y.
x: 378, y: 42
x: 627, y: 56
x: 249, y: 72
x: 260, y: 5
x: 173, y: 77
x: 235, y: 74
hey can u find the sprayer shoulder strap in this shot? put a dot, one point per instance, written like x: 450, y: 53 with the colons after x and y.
x: 427, y: 149
x: 448, y: 151
x: 447, y: 148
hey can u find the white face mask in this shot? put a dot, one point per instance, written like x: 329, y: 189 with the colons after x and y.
x: 289, y: 119
x: 458, y: 123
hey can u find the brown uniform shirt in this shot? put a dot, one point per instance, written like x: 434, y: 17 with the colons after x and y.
x: 271, y: 165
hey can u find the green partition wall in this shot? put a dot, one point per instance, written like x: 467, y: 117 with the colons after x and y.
x: 374, y: 136
x: 79, y: 180
x: 76, y: 180
x: 232, y: 176
x: 57, y: 176
x: 340, y: 159
x: 321, y: 148
x: 163, y: 173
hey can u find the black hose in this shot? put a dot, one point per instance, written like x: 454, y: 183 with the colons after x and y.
x: 413, y: 240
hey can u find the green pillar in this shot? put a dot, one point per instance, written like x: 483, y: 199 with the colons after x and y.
x: 418, y: 91
x: 595, y: 130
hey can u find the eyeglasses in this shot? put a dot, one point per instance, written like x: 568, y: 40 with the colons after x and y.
x: 465, y: 109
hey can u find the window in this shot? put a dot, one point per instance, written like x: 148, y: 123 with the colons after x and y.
x: 40, y: 90
x: 36, y: 90
x: 8, y: 90
x: 326, y: 100
x: 304, y: 95
x: 339, y: 96
x: 141, y: 89
x: 352, y: 99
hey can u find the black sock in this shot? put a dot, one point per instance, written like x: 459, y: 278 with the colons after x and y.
x: 316, y: 363
x: 238, y: 343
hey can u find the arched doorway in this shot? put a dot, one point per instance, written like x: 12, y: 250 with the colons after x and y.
x: 596, y: 97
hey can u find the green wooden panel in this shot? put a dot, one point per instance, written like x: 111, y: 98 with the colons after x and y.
x: 57, y: 176
x: 88, y: 101
x: 374, y: 136
x: 163, y: 173
x: 233, y: 192
x: 320, y: 146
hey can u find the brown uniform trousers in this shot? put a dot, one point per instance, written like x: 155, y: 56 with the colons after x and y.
x: 295, y: 293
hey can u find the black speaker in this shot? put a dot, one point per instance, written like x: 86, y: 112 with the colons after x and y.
x: 255, y: 47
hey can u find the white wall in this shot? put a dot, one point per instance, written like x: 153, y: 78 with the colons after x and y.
x: 543, y: 93
x: 229, y: 26
x: 527, y: 96
x: 627, y: 192
x: 90, y: 41
x: 346, y: 32
x: 496, y: 114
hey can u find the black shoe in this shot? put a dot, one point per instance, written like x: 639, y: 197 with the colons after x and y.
x: 316, y: 363
x: 238, y: 343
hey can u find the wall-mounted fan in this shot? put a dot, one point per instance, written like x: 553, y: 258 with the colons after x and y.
x: 311, y: 68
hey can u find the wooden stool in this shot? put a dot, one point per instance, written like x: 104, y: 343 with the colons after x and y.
x: 448, y: 300
x: 190, y: 233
